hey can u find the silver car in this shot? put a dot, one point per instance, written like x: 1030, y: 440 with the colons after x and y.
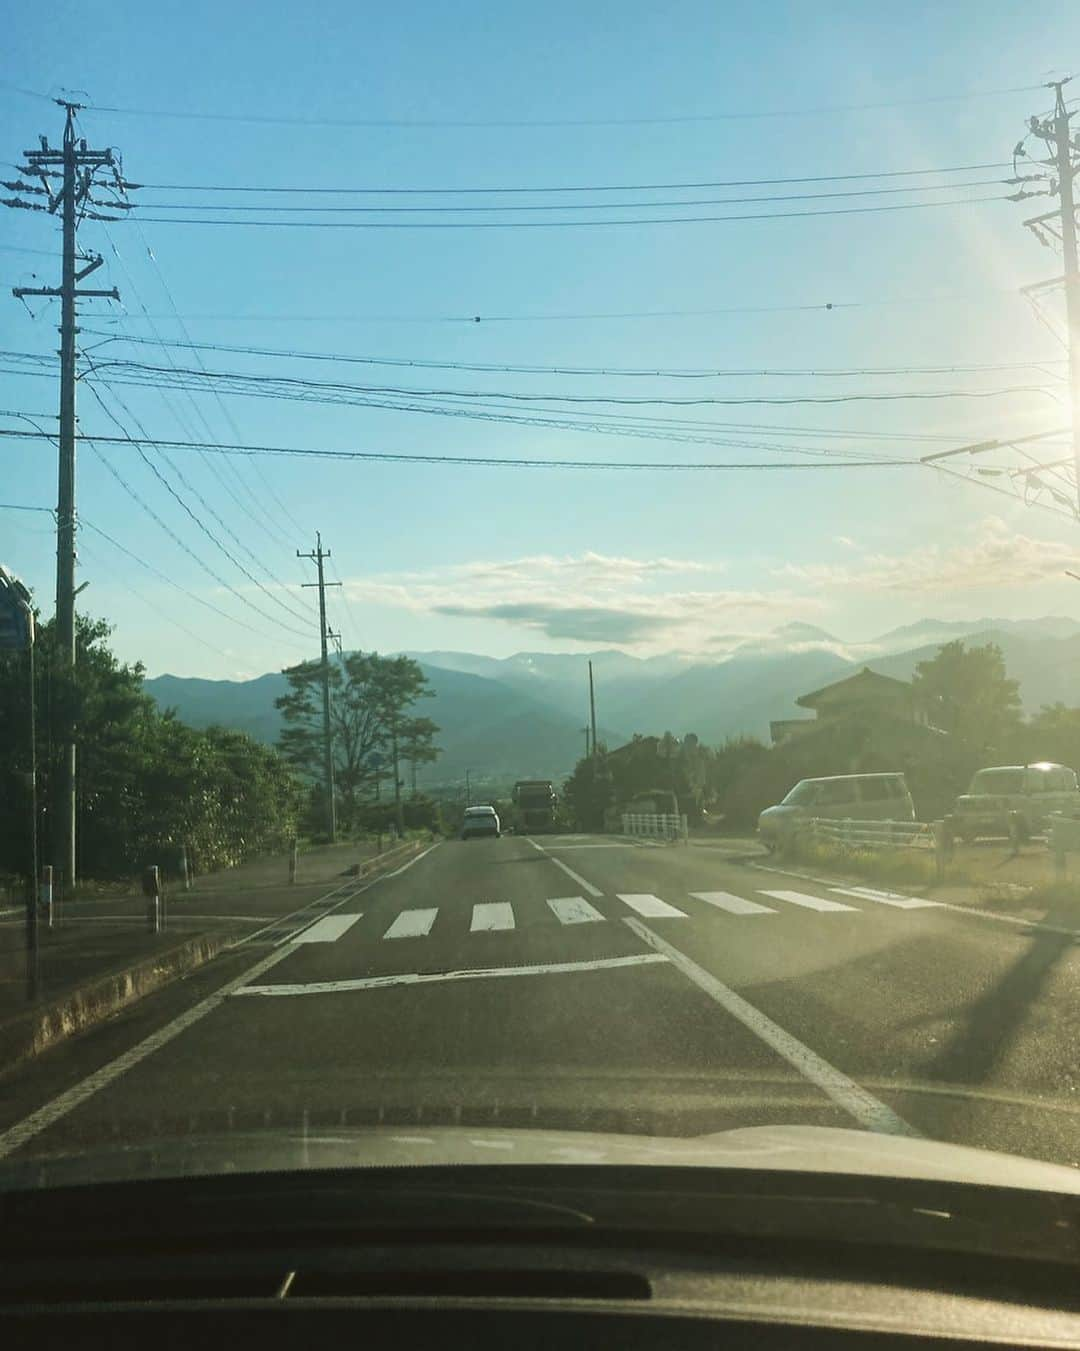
x: 480, y: 821
x: 855, y: 797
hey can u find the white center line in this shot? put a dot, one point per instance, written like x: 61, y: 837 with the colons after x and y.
x: 652, y: 907
x: 855, y: 1100
x: 432, y: 977
x: 412, y: 924
x: 576, y: 877
x: 328, y: 930
x: 574, y: 910
x: 734, y: 905
x: 492, y: 915
x: 807, y: 901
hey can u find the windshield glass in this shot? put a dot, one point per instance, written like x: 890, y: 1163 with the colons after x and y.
x: 467, y: 469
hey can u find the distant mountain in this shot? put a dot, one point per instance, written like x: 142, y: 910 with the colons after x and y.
x: 524, y: 716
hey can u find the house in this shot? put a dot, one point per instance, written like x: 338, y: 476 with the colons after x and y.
x: 865, y: 694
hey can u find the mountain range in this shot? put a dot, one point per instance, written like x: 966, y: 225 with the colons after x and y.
x: 524, y: 716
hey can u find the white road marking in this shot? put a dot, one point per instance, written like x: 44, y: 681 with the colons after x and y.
x: 538, y: 847
x: 855, y: 1100
x: 574, y: 910
x: 434, y: 977
x: 492, y: 915
x: 734, y: 905
x: 327, y: 930
x: 46, y: 1116
x: 892, y: 898
x: 412, y: 924
x: 809, y: 902
x: 406, y: 866
x: 576, y: 877
x: 652, y: 907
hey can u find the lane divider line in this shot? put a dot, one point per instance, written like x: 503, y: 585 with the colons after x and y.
x: 845, y: 1092
x: 435, y: 977
x: 575, y: 877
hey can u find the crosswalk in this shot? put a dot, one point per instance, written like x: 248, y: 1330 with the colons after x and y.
x: 495, y: 917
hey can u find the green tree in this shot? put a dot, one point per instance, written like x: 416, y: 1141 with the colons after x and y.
x: 589, y: 792
x: 370, y: 697
x: 968, y: 693
x: 417, y: 745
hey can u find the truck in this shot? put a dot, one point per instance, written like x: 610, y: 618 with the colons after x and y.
x: 534, y: 806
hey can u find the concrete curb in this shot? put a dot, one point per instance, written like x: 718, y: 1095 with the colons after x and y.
x: 35, y: 1030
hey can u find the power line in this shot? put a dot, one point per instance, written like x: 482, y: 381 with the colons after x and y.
x: 567, y: 224
x: 569, y: 206
x: 502, y: 368
x: 741, y: 115
x: 490, y: 461
x: 576, y: 187
x: 138, y: 443
x: 17, y: 506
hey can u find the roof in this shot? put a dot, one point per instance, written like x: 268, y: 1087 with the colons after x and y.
x: 862, y: 680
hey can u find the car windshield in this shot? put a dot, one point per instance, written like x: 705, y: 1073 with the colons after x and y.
x: 531, y: 536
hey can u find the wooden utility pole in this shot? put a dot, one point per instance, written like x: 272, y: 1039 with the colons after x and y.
x: 324, y: 634
x: 77, y: 164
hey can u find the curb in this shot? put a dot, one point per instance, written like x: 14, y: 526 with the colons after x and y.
x: 35, y: 1030
x: 29, y: 1033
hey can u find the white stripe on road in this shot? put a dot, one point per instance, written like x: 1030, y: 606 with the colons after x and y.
x: 327, y: 930
x: 734, y: 905
x: 809, y: 902
x: 538, y: 847
x: 406, y: 866
x: 652, y: 907
x: 60, y: 1107
x: 574, y: 910
x: 412, y: 924
x: 492, y: 915
x: 855, y: 1100
x: 425, y: 978
x: 576, y: 877
x: 892, y: 898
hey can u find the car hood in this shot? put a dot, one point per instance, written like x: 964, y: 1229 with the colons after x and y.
x: 794, y: 1149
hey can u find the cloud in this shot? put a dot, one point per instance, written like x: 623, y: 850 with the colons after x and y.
x: 992, y: 556
x: 587, y: 598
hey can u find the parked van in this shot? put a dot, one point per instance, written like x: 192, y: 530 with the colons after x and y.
x: 1022, y: 794
x: 856, y: 797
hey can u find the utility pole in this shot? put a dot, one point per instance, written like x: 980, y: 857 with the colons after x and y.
x: 585, y: 729
x: 77, y: 164
x: 592, y: 708
x: 468, y: 790
x: 1054, y: 131
x: 324, y: 635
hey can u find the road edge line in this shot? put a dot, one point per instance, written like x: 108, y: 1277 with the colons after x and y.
x: 867, y: 1110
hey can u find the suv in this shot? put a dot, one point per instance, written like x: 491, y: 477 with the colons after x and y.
x: 1022, y: 794
x: 856, y: 797
x: 480, y: 821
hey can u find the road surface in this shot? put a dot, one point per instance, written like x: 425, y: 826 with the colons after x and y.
x: 592, y: 983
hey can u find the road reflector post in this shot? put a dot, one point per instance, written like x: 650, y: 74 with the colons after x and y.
x: 151, y: 885
x: 942, y: 847
x: 1015, y: 833
x: 185, y: 867
x: 45, y: 894
x: 294, y: 860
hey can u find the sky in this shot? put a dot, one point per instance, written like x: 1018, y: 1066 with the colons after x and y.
x: 191, y: 555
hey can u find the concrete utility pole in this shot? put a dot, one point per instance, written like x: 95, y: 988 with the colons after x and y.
x: 1054, y: 131
x: 77, y: 164
x: 592, y: 708
x: 324, y: 634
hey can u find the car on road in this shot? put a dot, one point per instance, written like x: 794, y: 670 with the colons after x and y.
x: 480, y: 821
x: 1015, y: 797
x: 856, y: 797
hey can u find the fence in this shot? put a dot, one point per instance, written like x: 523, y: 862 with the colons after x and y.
x: 872, y: 834
x: 655, y: 825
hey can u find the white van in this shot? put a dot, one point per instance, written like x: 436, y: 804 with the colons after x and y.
x: 855, y: 797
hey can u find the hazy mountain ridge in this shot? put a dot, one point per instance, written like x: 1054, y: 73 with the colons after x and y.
x: 524, y: 716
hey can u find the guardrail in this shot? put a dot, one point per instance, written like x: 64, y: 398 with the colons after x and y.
x: 655, y: 825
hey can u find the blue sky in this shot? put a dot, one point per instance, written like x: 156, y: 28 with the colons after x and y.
x: 496, y: 560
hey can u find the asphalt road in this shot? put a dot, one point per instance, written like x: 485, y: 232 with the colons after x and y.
x: 576, y: 982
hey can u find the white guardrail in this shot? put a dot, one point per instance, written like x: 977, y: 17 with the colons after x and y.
x: 655, y: 825
x: 872, y: 834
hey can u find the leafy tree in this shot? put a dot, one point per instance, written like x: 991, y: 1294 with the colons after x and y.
x: 417, y: 745
x: 589, y: 792
x: 370, y: 697
x: 967, y: 692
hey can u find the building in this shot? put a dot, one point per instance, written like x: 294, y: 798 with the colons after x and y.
x: 865, y: 694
